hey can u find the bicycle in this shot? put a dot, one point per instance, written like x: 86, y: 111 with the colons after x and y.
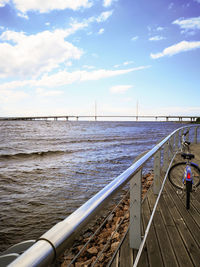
x: 185, y: 175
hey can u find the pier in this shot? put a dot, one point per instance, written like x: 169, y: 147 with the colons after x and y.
x: 111, y: 117
x: 174, y: 236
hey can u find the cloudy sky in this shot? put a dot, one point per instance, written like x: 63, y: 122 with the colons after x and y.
x: 59, y: 57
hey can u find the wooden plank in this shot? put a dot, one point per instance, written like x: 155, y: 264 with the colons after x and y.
x: 194, y: 213
x: 185, y: 230
x: 143, y: 261
x: 196, y: 204
x: 153, y: 250
x: 195, y: 230
x: 176, y: 241
x: 194, y: 210
x: 197, y: 194
x: 115, y: 262
x: 126, y: 253
x: 166, y: 248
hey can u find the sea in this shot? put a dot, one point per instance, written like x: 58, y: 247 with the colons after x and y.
x: 50, y: 168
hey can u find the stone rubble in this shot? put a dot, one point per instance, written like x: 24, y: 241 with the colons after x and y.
x: 112, y: 230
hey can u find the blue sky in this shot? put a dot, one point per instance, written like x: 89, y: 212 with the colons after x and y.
x: 59, y: 57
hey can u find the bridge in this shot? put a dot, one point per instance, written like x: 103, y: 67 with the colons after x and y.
x: 96, y: 117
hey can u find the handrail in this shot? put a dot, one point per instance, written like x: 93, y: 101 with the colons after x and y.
x: 51, y: 244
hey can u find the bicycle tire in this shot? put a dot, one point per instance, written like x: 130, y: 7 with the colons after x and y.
x: 176, y: 172
x: 188, y: 190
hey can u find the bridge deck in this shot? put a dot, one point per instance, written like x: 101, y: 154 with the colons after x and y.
x: 174, y: 237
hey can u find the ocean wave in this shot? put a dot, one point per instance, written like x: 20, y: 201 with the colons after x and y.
x: 35, y: 153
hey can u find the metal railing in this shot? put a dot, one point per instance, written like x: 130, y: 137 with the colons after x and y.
x: 60, y: 237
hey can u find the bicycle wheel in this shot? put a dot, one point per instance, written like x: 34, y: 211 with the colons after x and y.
x: 188, y: 190
x: 176, y: 173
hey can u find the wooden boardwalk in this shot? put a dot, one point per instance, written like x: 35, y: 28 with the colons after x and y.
x: 174, y: 236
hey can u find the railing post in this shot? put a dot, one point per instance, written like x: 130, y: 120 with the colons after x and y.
x: 166, y: 156
x: 195, y: 135
x: 176, y: 140
x: 156, y: 179
x: 171, y: 147
x: 182, y: 131
x: 187, y: 135
x: 135, y: 210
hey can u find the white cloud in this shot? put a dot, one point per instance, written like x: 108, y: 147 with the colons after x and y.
x: 101, y: 31
x: 4, y: 2
x: 127, y: 63
x: 104, y: 16
x: 107, y: 3
x: 46, y: 6
x: 63, y: 78
x: 88, y: 67
x: 100, y: 74
x: 29, y: 55
x: 43, y: 92
x: 75, y: 25
x: 159, y: 29
x: 127, y: 99
x: 156, y: 38
x: 119, y: 89
x: 177, y: 48
x: 12, y: 96
x: 22, y: 15
x: 16, y: 84
x: 134, y: 38
x: 171, y: 5
x: 179, y: 110
x: 188, y: 24
x: 152, y: 30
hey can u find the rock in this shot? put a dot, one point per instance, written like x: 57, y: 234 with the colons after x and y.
x: 79, y: 264
x: 100, y: 257
x: 66, y: 263
x: 119, y: 213
x: 115, y: 235
x: 106, y: 247
x: 79, y: 247
x: 69, y: 257
x: 108, y: 225
x: 117, y: 221
x: 114, y: 246
x: 87, y: 234
x: 126, y: 208
x: 105, y: 234
x: 87, y: 262
x: 92, y: 250
x: 110, y: 217
x: 127, y: 215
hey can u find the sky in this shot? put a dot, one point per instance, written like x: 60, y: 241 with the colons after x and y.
x: 61, y: 57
